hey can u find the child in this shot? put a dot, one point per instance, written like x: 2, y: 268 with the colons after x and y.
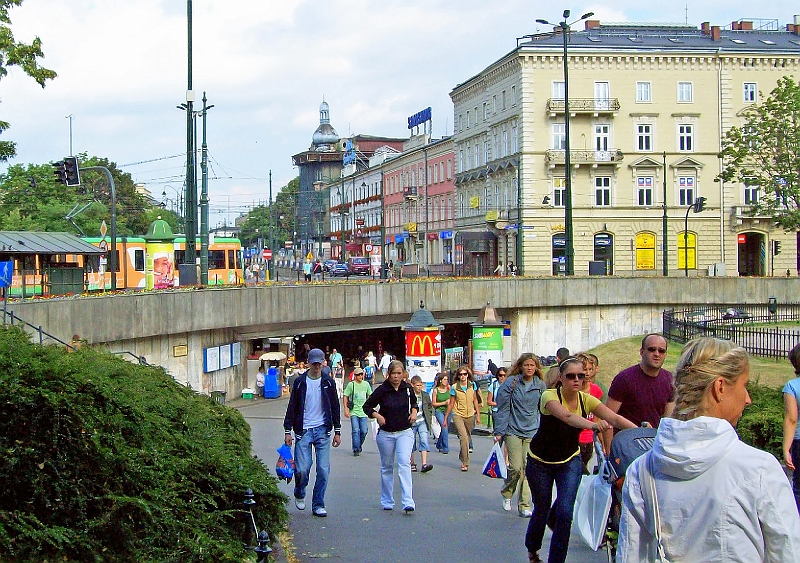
x: 422, y: 426
x: 260, y: 382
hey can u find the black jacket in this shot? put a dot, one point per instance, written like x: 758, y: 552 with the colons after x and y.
x: 396, y: 406
x: 297, y: 402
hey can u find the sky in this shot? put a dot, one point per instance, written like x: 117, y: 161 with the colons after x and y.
x: 266, y: 65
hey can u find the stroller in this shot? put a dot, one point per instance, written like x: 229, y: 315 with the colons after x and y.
x: 626, y: 446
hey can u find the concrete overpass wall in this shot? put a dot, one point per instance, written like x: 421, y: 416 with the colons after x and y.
x: 545, y: 313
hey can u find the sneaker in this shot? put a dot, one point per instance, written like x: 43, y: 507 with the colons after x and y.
x: 321, y: 512
x: 470, y: 450
x: 388, y: 508
x: 427, y: 467
x: 507, y: 504
x: 300, y: 503
x: 356, y: 454
x: 408, y: 509
x: 525, y: 513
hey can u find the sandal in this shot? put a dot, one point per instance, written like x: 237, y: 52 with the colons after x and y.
x: 413, y: 467
x: 464, y: 468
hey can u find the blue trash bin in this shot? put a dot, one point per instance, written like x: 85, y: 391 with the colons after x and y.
x: 271, y: 388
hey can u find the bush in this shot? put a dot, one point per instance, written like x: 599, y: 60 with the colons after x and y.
x: 761, y: 424
x: 104, y: 460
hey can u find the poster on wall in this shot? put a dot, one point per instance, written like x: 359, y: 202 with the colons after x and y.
x: 211, y: 359
x: 225, y: 356
x: 236, y: 353
x: 487, y: 344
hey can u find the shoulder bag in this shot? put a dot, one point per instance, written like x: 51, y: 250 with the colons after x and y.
x: 650, y: 496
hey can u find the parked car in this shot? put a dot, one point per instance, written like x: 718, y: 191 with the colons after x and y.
x: 340, y: 269
x: 736, y: 315
x: 328, y: 265
x: 359, y: 265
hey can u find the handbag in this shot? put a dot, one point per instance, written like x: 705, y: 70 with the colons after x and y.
x: 650, y: 497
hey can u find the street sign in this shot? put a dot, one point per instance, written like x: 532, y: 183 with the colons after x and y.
x: 288, y: 244
x: 266, y: 254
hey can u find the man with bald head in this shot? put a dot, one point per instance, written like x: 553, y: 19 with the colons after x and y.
x: 644, y: 392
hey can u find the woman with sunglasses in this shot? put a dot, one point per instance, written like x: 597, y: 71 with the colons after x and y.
x: 464, y: 406
x: 440, y: 398
x: 554, y: 456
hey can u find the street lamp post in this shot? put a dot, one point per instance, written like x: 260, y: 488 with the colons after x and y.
x: 568, y: 231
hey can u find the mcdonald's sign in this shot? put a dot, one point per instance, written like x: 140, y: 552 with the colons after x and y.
x: 423, y: 344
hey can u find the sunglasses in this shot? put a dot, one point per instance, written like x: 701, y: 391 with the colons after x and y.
x: 574, y: 376
x: 659, y: 350
x: 462, y: 373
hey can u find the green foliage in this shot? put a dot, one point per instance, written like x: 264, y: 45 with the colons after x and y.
x: 105, y: 460
x: 765, y: 152
x: 32, y: 200
x: 23, y: 55
x: 761, y: 424
x: 281, y: 214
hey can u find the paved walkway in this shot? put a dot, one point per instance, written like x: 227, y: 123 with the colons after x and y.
x: 459, y: 517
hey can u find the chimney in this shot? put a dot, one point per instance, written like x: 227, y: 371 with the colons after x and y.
x: 705, y: 28
x: 715, y: 33
x: 746, y: 26
x: 735, y: 26
x: 591, y: 24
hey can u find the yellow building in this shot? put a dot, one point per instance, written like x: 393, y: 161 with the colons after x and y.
x: 648, y: 105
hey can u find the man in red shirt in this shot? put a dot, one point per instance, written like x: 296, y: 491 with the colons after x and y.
x: 644, y: 392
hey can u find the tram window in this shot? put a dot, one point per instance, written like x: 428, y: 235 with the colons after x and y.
x: 138, y: 260
x: 180, y: 256
x: 231, y: 259
x: 216, y: 259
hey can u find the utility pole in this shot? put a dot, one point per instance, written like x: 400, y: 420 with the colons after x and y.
x: 204, y: 201
x: 190, y: 256
x: 271, y: 263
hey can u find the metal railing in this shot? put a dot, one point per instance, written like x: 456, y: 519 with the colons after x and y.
x: 9, y: 317
x: 556, y: 156
x: 583, y: 105
x: 734, y: 322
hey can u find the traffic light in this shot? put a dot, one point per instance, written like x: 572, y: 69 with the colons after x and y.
x: 699, y: 204
x: 60, y: 172
x: 776, y: 247
x: 73, y: 177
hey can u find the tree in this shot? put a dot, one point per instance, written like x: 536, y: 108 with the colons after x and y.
x: 764, y: 153
x: 281, y: 213
x: 24, y: 55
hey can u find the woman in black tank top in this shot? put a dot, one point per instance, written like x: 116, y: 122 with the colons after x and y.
x: 554, y: 456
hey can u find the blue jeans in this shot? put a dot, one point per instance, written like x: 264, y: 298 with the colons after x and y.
x: 421, y: 437
x: 567, y: 477
x: 319, y: 438
x: 395, y: 448
x: 443, y: 441
x: 359, y: 426
x: 795, y: 452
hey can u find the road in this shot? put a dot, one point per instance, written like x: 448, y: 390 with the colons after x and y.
x: 459, y: 516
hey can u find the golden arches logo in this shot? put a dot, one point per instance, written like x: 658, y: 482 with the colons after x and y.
x: 422, y: 345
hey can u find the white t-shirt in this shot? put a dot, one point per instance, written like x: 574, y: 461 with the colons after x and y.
x: 313, y: 415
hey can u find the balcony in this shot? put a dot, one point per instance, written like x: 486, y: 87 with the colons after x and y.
x: 555, y: 157
x: 592, y: 106
x: 410, y: 192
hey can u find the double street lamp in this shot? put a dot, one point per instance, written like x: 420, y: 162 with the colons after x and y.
x: 568, y: 230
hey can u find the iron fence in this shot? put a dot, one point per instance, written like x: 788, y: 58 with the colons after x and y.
x: 735, y: 323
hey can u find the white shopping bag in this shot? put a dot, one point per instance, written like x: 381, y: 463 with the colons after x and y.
x: 373, y: 428
x: 495, y: 464
x: 436, y: 429
x: 592, y: 506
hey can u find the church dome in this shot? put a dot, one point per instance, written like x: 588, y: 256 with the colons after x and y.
x: 325, y: 137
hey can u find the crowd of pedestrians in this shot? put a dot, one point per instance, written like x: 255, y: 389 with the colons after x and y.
x: 735, y: 499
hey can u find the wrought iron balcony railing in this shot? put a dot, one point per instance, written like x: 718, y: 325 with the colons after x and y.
x: 582, y: 156
x: 583, y: 105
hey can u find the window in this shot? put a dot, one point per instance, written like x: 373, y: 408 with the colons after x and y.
x: 686, y: 190
x: 644, y: 137
x: 559, y: 189
x: 685, y: 138
x: 601, y: 137
x: 643, y: 92
x: 503, y: 99
x: 559, y: 136
x: 460, y: 160
x: 461, y: 203
x: 750, y: 92
x: 485, y: 111
x: 477, y: 156
x: 449, y: 169
x: 513, y: 95
x: 487, y: 153
x: 505, y: 142
x: 601, y: 95
x: 138, y: 260
x: 468, y: 121
x: 494, y: 104
x: 514, y: 138
x: 644, y: 190
x: 496, y: 201
x: 460, y: 122
x: 602, y: 191
x: 469, y: 155
x: 750, y: 192
x: 476, y: 116
x: 685, y: 92
x: 558, y: 90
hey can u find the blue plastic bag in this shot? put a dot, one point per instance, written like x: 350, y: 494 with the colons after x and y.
x: 284, y: 468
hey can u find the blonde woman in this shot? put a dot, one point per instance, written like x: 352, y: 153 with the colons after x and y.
x: 718, y: 499
x: 464, y: 406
